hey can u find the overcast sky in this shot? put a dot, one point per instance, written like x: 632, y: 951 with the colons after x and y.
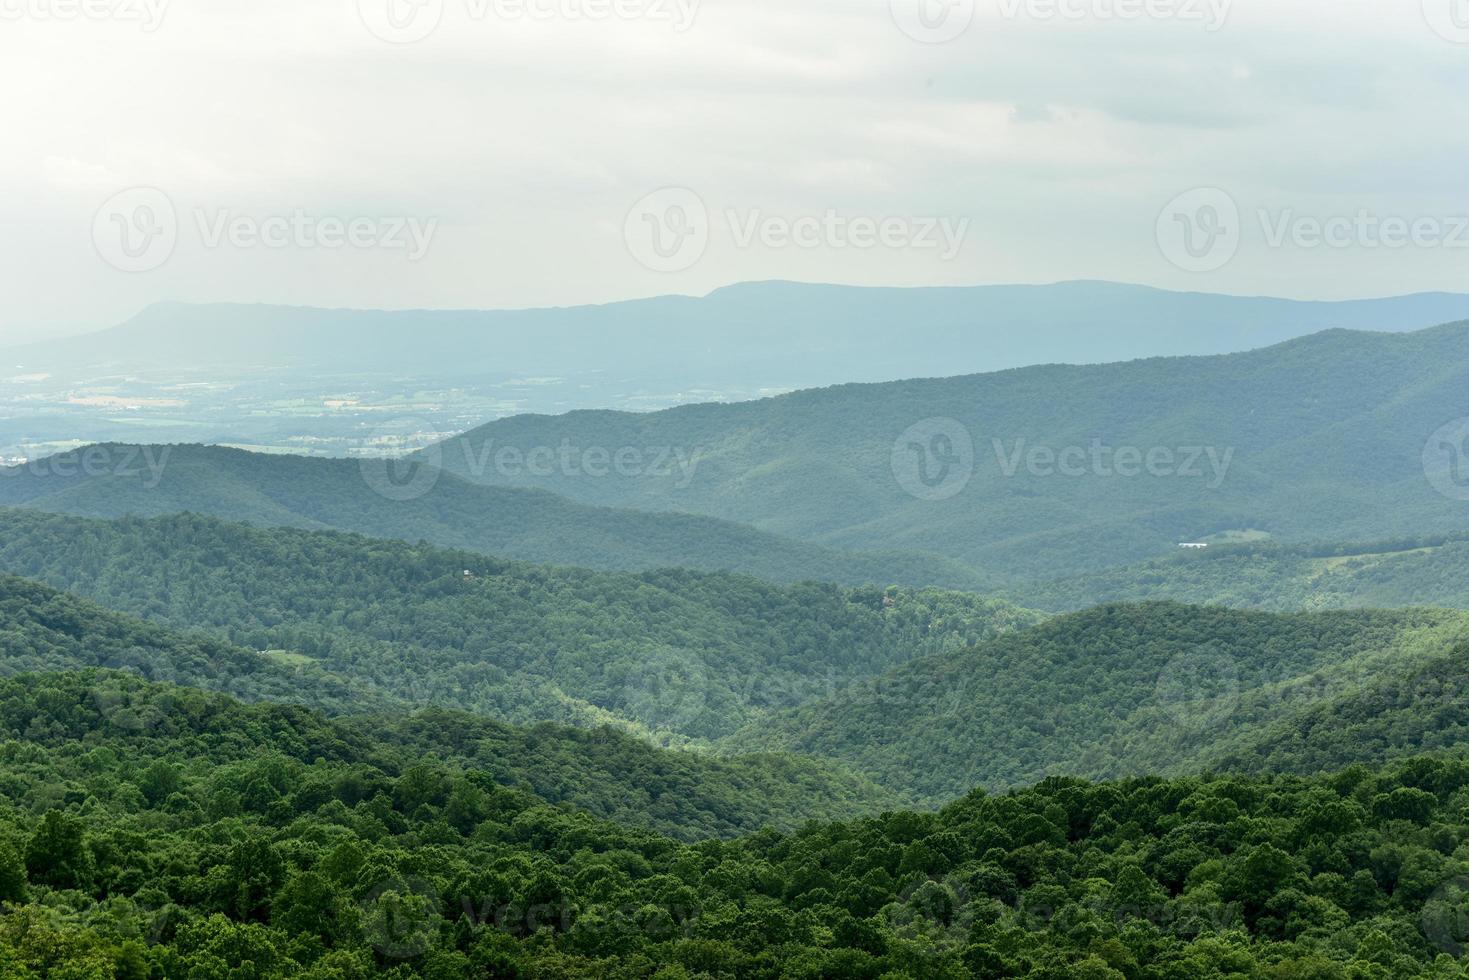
x: 521, y: 152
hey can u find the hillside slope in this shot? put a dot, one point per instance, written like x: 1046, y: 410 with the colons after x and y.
x: 674, y: 653
x: 43, y: 629
x: 265, y: 842
x: 531, y: 525
x: 1422, y: 709
x: 604, y: 771
x: 1429, y: 571
x: 1072, y: 469
x: 1116, y: 690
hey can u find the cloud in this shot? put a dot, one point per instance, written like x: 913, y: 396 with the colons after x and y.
x: 529, y: 139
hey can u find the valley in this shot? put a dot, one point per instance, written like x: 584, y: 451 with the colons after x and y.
x: 771, y: 490
x: 425, y: 710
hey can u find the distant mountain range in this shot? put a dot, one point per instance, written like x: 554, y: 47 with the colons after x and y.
x: 744, y: 338
x: 974, y: 482
x: 1046, y: 470
x: 328, y: 382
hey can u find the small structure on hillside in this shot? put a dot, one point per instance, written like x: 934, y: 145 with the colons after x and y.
x: 1195, y: 545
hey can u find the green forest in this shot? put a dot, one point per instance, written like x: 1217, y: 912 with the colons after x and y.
x: 753, y: 490
x: 149, y: 830
x: 678, y: 653
x: 258, y: 720
x: 1425, y: 571
x: 530, y: 525
x: 603, y: 770
x: 1324, y: 437
x: 1116, y: 690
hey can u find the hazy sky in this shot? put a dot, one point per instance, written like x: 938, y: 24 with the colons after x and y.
x: 519, y: 152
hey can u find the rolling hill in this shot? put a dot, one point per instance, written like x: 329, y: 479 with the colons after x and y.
x: 272, y: 490
x: 268, y: 842
x: 1035, y: 473
x: 43, y: 629
x: 1111, y: 691
x: 55, y: 643
x: 1429, y: 571
x: 1055, y: 470
x: 672, y: 654
x: 1420, y: 710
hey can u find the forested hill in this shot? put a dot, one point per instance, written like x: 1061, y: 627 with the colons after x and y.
x: 1427, y: 571
x: 604, y: 772
x: 1320, y: 438
x: 675, y: 653
x: 263, y: 843
x: 1116, y: 690
x: 43, y: 629
x: 1421, y: 708
x: 296, y: 491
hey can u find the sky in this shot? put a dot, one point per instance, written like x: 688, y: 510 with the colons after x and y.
x: 515, y: 153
